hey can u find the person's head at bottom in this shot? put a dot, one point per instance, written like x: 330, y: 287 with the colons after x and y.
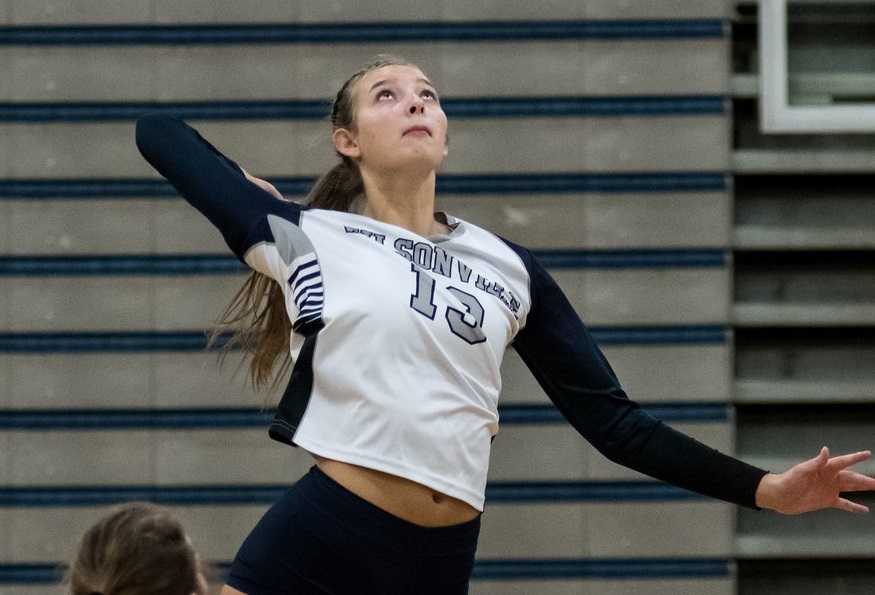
x: 136, y: 549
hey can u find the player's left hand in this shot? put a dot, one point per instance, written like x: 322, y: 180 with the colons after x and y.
x: 816, y: 484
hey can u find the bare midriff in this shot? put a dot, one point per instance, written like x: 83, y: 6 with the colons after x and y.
x: 405, y: 499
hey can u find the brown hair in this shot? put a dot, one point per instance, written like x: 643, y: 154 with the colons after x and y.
x: 256, y: 319
x: 138, y: 549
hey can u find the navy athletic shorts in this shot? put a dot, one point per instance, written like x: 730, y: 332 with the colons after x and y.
x: 320, y: 538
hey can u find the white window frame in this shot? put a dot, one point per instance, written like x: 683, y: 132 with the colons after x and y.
x: 776, y: 113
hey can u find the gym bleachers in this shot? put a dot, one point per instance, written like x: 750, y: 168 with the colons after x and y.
x: 599, y: 134
x: 803, y: 313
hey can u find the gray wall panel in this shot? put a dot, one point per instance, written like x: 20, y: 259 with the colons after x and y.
x: 825, y: 363
x: 822, y: 534
x: 91, y: 73
x: 5, y: 378
x: 248, y: 455
x: 303, y: 147
x: 82, y: 458
x: 678, y: 220
x: 5, y: 63
x: 6, y: 463
x: 80, y: 227
x: 40, y: 534
x: 182, y: 457
x: 693, y: 528
x: 557, y: 530
x: 607, y: 529
x: 179, y: 228
x: 196, y: 379
x: 534, y: 531
x: 228, y: 11
x: 648, y: 296
x: 613, y: 68
x: 670, y: 9
x: 779, y: 442
x: 83, y: 303
x: 5, y: 285
x: 81, y: 380
x: 4, y: 160
x: 558, y: 452
x: 640, y: 296
x: 225, y: 11
x: 309, y: 71
x: 6, y: 227
x: 118, y: 303
x: 64, y: 150
x: 540, y: 221
x: 376, y: 11
x: 6, y: 289
x: 514, y: 9
x: 561, y: 530
x: 226, y: 456
x: 317, y: 71
x: 590, y: 144
x: 648, y: 373
x: 192, y: 302
x: 170, y: 379
x: 91, y: 12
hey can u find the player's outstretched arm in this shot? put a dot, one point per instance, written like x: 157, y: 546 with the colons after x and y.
x: 570, y: 367
x: 816, y: 484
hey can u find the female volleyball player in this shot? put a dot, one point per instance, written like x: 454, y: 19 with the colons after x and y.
x: 137, y: 549
x: 397, y: 318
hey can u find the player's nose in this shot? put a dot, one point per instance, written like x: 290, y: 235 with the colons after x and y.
x: 417, y: 105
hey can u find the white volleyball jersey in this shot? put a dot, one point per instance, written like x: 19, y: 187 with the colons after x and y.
x: 406, y: 364
x: 398, y: 338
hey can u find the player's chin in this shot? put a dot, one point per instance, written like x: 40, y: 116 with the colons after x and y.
x: 420, y: 159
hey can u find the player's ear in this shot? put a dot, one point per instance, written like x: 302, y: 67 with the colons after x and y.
x: 346, y: 143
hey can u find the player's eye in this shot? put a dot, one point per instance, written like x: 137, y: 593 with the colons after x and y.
x: 384, y: 93
x: 430, y: 93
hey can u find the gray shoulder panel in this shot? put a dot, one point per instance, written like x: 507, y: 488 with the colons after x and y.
x: 291, y: 242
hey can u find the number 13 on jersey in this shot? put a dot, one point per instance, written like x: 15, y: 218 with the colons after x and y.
x: 467, y: 325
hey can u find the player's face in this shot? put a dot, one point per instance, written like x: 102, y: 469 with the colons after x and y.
x: 398, y: 121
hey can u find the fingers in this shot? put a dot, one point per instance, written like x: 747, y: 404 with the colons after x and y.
x: 842, y: 462
x: 850, y: 481
x: 817, y: 462
x: 848, y: 506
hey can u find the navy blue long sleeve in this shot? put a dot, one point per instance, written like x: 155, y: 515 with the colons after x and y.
x: 570, y: 367
x: 212, y: 183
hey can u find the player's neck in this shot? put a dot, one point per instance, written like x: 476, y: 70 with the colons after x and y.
x: 407, y: 202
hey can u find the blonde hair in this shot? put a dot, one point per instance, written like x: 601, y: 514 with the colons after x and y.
x: 255, y: 320
x: 137, y: 549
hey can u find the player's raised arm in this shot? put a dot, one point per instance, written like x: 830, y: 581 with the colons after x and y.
x: 212, y: 183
